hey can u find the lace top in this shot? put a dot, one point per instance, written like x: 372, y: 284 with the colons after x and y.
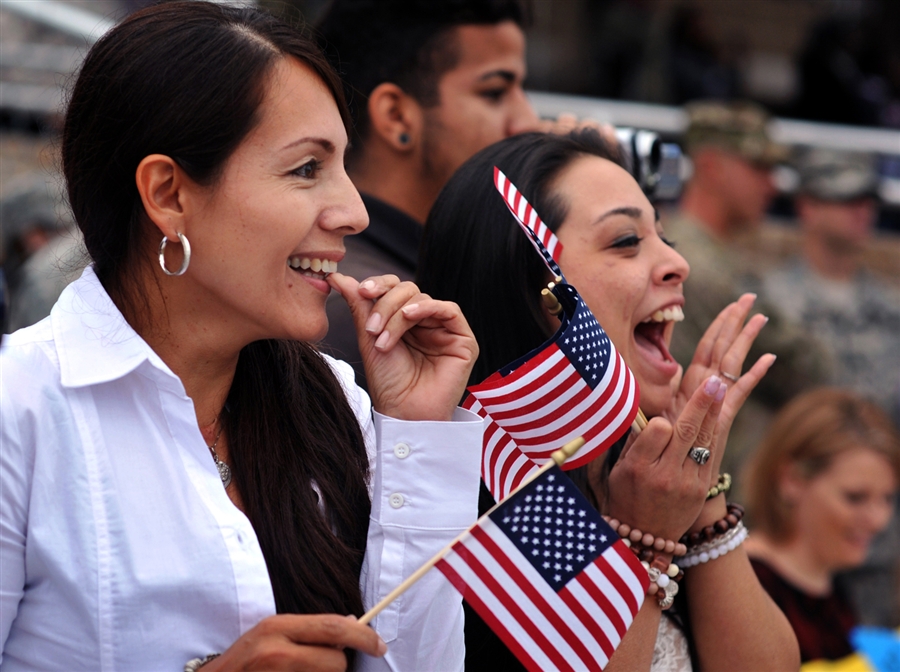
x: 670, y: 653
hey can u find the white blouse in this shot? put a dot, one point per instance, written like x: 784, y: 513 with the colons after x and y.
x: 119, y: 548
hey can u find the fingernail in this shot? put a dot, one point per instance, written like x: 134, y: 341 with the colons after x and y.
x: 373, y: 324
x: 720, y: 395
x: 712, y: 385
x: 382, y: 340
x: 382, y: 647
x: 368, y: 285
x: 410, y: 309
x: 767, y: 318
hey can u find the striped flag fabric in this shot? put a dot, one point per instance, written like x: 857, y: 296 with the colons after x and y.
x: 543, y: 239
x: 575, y: 384
x: 549, y: 576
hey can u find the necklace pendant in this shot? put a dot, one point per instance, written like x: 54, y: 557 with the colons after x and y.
x: 224, y: 473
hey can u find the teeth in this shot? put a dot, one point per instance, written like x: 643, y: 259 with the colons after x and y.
x: 673, y: 314
x: 314, y: 265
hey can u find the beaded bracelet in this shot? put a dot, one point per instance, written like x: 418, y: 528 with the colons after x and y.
x: 196, y: 663
x: 715, y: 549
x: 720, y: 527
x: 635, y: 536
x: 722, y: 485
x: 664, y: 577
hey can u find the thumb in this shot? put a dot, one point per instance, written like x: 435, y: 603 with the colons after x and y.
x: 360, y: 306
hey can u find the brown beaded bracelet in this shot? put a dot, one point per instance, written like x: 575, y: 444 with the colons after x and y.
x: 723, y: 485
x: 721, y: 526
x: 645, y: 539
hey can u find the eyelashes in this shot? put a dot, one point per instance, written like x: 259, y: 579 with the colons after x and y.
x: 625, y: 242
x: 309, y: 170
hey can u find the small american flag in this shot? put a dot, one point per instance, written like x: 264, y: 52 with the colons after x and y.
x: 543, y: 239
x: 575, y: 384
x: 549, y: 576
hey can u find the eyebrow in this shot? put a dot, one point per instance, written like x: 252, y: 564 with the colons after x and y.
x: 507, y: 75
x: 327, y: 145
x: 633, y: 213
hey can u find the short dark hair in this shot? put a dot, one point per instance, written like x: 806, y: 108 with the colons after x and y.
x: 473, y: 253
x: 407, y: 42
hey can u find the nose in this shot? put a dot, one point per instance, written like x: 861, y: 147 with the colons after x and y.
x: 522, y: 118
x: 878, y: 514
x: 670, y: 267
x: 346, y: 213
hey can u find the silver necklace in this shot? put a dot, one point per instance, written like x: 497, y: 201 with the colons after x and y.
x: 224, y: 469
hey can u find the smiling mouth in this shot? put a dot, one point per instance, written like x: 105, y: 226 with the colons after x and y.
x: 650, y: 335
x: 311, y: 267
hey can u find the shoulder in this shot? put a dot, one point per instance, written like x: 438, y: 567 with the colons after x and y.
x: 28, y: 357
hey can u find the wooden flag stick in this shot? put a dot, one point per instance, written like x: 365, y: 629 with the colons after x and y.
x: 639, y: 422
x: 551, y: 303
x: 557, y: 458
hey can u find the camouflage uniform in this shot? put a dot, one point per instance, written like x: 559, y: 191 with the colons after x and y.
x: 719, y: 275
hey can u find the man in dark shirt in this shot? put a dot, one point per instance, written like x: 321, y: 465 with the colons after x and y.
x: 430, y: 83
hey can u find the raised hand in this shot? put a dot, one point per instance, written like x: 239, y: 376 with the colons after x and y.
x: 417, y: 351
x: 299, y: 642
x: 655, y: 486
x: 722, y: 350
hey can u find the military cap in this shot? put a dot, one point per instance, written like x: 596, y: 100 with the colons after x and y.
x: 739, y: 127
x: 832, y: 175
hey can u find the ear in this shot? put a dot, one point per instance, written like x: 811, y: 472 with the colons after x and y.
x: 161, y: 183
x: 791, y: 484
x: 395, y: 117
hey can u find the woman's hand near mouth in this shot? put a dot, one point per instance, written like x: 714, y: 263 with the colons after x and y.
x: 417, y: 351
x: 654, y: 485
x: 723, y: 349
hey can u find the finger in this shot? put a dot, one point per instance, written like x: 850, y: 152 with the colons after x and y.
x: 386, y: 309
x: 687, y: 426
x: 703, y: 352
x: 706, y: 435
x: 733, y: 360
x: 731, y: 328
x: 651, y: 442
x: 332, y: 630
x: 737, y: 395
x: 425, y: 312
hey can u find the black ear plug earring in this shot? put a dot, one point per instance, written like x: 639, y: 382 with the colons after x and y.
x: 404, y: 138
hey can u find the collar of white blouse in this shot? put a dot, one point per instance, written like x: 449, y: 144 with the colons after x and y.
x: 94, y: 342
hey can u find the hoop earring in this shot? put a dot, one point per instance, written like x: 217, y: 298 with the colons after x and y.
x: 186, y: 246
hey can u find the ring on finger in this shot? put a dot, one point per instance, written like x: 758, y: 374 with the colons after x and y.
x: 729, y: 376
x: 699, y: 454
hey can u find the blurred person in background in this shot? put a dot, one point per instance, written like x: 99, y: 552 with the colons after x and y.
x: 430, y: 83
x: 40, y: 248
x: 726, y: 198
x: 827, y: 290
x: 822, y: 485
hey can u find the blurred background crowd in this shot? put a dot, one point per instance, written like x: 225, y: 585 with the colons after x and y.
x: 788, y: 112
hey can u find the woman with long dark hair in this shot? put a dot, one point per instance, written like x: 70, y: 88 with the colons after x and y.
x: 178, y: 462
x: 615, y: 255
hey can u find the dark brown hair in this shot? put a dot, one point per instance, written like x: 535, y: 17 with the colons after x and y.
x: 808, y: 433
x: 186, y: 80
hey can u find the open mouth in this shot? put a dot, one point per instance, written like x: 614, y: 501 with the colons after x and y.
x: 650, y: 335
x: 312, y: 268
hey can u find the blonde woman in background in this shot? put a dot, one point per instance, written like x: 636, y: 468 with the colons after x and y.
x: 821, y: 487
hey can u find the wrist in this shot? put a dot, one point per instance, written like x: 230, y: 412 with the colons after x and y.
x: 713, y: 509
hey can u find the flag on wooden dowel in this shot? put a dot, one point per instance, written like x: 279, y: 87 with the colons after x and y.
x: 575, y: 384
x: 549, y: 576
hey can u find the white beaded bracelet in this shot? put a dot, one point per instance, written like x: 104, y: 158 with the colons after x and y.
x: 715, y: 548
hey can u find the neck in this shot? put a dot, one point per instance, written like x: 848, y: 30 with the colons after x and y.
x: 796, y: 561
x: 187, y: 335
x: 704, y: 206
x: 399, y: 181
x: 836, y: 260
